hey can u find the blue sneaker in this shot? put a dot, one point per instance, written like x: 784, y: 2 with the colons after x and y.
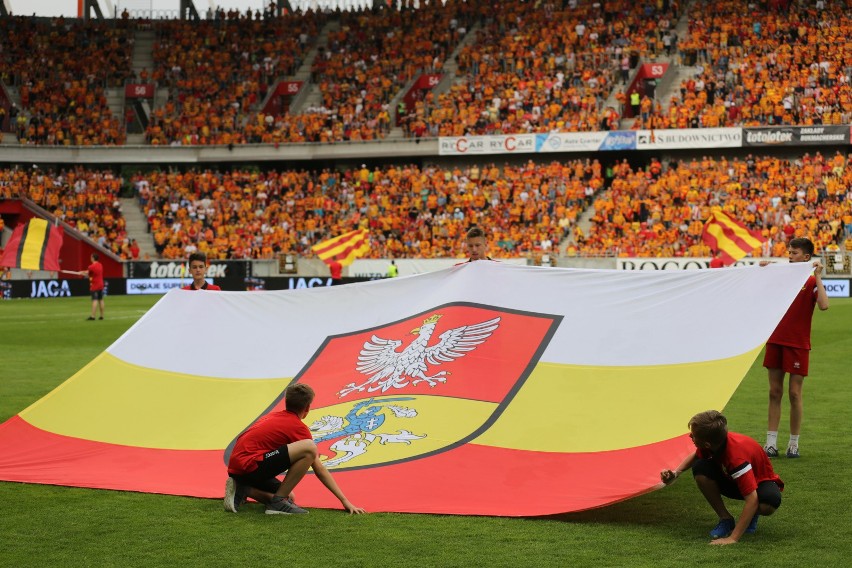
x: 752, y: 526
x: 793, y: 452
x: 723, y: 529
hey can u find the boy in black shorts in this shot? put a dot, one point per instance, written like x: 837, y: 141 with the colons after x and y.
x: 733, y: 465
x: 276, y: 443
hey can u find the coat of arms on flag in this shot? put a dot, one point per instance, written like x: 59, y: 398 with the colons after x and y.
x: 409, y: 388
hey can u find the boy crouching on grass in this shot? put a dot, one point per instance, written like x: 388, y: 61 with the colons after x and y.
x: 276, y: 443
x: 733, y: 465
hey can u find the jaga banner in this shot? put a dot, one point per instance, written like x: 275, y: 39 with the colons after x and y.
x: 797, y: 136
x: 677, y: 138
x: 56, y: 288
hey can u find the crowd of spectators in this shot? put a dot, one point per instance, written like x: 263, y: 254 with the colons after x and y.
x: 530, y: 209
x: 61, y: 69
x: 410, y: 211
x: 549, y: 68
x: 86, y: 199
x: 659, y: 210
x: 217, y: 73
x: 780, y: 62
x: 530, y: 67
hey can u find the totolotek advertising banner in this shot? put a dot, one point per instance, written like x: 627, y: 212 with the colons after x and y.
x: 796, y: 136
x: 229, y: 274
x: 686, y: 138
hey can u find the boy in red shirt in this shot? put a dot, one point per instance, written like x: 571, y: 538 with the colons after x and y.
x: 733, y: 465
x: 198, y: 269
x: 788, y: 350
x: 95, y: 272
x: 278, y: 442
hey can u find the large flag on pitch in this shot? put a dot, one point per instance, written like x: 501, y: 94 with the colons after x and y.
x: 34, y: 246
x: 724, y: 233
x: 524, y: 390
x: 345, y: 248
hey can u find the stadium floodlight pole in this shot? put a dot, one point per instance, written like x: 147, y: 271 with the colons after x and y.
x: 188, y: 11
x: 89, y: 6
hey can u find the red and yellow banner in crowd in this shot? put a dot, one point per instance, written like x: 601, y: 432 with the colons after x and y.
x: 724, y: 233
x: 345, y: 248
x: 482, y: 389
x: 34, y: 245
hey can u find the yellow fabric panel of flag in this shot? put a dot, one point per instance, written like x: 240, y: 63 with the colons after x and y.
x: 599, y: 408
x: 33, y: 245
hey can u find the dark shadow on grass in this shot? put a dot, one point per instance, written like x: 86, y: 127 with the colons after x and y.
x: 667, y: 509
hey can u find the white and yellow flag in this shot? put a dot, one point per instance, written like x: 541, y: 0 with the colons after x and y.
x: 566, y: 389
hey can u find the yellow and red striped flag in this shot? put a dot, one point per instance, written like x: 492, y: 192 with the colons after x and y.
x: 34, y: 246
x: 724, y: 233
x: 345, y: 248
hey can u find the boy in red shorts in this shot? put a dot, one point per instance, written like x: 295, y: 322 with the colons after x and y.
x: 733, y: 465
x: 276, y: 443
x: 788, y: 349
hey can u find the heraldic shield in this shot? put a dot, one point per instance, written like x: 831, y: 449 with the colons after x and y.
x: 418, y: 386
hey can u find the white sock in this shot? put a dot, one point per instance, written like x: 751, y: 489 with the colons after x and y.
x: 772, y: 439
x: 794, y: 441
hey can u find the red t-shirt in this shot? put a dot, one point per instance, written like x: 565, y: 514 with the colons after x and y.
x: 336, y: 269
x: 205, y: 286
x: 794, y: 329
x: 745, y: 461
x: 272, y: 431
x: 96, y: 276
x: 716, y: 262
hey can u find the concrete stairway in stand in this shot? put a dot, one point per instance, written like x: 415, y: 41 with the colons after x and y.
x: 137, y: 227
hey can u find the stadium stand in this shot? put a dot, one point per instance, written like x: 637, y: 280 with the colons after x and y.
x: 656, y: 211
x: 61, y: 69
x: 410, y: 211
x: 781, y: 62
x: 218, y: 71
x: 86, y: 199
x: 548, y: 70
x: 525, y: 67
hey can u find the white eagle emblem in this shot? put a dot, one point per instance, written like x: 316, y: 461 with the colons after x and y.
x: 394, y: 369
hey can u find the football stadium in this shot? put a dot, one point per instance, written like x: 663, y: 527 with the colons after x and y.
x: 482, y: 270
